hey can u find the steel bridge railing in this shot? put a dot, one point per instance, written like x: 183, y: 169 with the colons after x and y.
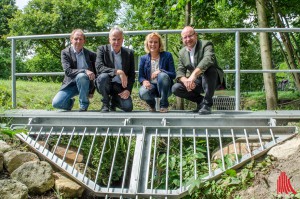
x: 237, y: 71
x: 149, y: 161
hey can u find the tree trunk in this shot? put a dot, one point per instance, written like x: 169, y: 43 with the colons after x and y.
x: 288, y: 45
x: 269, y: 80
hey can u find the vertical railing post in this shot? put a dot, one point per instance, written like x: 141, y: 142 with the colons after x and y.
x: 166, y: 42
x: 237, y: 71
x: 13, y: 72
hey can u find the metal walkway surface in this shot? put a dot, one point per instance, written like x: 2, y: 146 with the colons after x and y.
x: 143, y: 155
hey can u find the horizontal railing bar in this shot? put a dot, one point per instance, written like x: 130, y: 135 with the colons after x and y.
x: 225, y: 71
x: 144, y: 32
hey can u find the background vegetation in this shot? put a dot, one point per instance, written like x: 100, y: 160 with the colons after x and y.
x: 56, y: 16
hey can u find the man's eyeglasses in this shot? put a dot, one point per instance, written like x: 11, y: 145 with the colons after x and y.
x: 188, y: 36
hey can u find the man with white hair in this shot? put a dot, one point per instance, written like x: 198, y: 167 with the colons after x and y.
x: 115, y: 73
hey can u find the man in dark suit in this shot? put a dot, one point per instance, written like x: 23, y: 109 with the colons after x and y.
x: 197, y: 71
x: 79, y: 67
x: 115, y: 73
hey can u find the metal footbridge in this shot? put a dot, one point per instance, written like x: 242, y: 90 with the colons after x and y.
x: 151, y: 155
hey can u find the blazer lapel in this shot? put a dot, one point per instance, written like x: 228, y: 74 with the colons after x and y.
x: 87, y: 57
x: 187, y: 57
x: 73, y: 57
x: 110, y: 54
x: 198, y: 52
x: 123, y: 57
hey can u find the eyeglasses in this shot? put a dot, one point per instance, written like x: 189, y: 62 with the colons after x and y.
x: 188, y: 36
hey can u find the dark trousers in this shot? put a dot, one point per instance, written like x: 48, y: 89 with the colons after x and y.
x: 110, y: 93
x: 206, y: 83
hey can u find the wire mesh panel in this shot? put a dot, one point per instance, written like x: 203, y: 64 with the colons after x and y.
x: 146, y: 162
x: 223, y: 103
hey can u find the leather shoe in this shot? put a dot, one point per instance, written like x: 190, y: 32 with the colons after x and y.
x: 199, y: 106
x: 152, y: 109
x: 163, y: 110
x: 112, y: 108
x: 205, y: 110
x: 104, y: 109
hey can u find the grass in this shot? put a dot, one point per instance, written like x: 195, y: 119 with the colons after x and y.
x: 39, y: 95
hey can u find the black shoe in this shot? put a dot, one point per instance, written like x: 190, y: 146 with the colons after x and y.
x: 104, y: 109
x: 82, y: 109
x: 205, y: 110
x: 199, y: 106
x: 112, y: 108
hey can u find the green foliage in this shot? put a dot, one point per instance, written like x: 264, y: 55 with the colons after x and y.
x: 231, y: 181
x: 7, y: 10
x: 57, y: 17
x: 4, y: 130
x: 5, y: 98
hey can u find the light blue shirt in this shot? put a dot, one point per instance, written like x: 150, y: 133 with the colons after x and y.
x: 118, y: 64
x: 81, y: 63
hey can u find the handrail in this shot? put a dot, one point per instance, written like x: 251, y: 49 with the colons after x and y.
x: 237, y: 70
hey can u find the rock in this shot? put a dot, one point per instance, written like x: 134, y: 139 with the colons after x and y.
x: 286, y: 149
x: 1, y: 161
x: 12, y: 189
x: 66, y: 187
x: 71, y: 154
x: 13, y: 159
x: 4, y: 147
x: 89, y: 172
x: 241, y: 147
x: 36, y: 175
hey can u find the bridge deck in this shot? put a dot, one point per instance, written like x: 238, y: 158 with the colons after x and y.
x: 172, y: 118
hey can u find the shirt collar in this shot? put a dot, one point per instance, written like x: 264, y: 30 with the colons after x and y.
x: 75, y: 50
x: 193, y: 49
x: 112, y: 50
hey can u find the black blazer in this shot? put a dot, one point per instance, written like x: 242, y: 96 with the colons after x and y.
x: 69, y: 63
x: 105, y: 63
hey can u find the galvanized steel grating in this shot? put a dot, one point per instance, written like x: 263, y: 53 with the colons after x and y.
x: 146, y: 162
x: 223, y: 103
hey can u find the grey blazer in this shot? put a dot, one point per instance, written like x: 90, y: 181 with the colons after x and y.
x: 203, y: 59
x: 69, y: 64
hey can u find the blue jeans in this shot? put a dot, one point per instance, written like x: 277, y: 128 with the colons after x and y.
x: 161, y: 89
x: 63, y: 99
x: 110, y: 90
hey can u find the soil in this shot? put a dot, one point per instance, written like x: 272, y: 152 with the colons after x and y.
x: 265, y: 184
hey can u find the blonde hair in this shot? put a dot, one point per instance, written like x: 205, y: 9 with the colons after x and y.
x: 77, y: 30
x: 148, y: 37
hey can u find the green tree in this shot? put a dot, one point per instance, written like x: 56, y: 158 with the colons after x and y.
x: 57, y: 17
x: 7, y: 9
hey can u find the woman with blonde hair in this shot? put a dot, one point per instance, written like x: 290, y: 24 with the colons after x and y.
x: 156, y: 73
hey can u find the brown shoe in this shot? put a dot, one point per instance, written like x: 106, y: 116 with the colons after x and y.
x: 163, y: 110
x: 152, y: 110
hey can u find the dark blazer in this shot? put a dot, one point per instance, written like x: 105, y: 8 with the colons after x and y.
x: 203, y: 59
x: 166, y: 65
x: 69, y: 63
x: 105, y: 63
